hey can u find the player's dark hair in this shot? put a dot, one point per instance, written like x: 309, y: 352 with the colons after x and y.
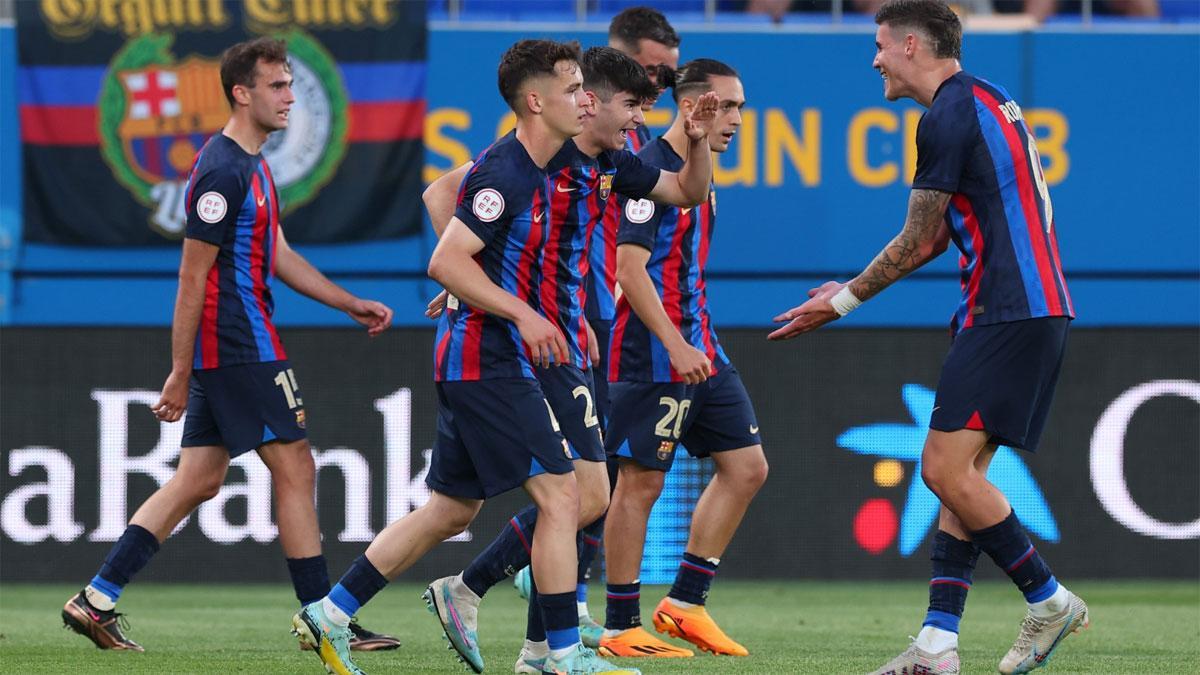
x: 936, y: 22
x: 531, y: 58
x: 239, y: 62
x: 638, y: 23
x: 693, y: 77
x: 607, y: 71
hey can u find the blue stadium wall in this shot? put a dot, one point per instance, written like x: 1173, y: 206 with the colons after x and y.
x: 813, y: 186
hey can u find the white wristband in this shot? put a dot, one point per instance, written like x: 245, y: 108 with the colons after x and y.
x: 844, y: 301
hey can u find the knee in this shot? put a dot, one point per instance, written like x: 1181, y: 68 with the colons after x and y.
x: 642, y: 486
x: 296, y: 474
x: 592, y: 505
x: 745, y: 477
x: 452, y: 517
x: 755, y: 475
x: 935, y: 475
x: 205, y: 487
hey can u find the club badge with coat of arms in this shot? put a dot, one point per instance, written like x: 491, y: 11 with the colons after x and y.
x: 157, y: 111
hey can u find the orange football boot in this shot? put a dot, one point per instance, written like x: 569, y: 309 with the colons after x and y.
x: 696, y: 626
x: 638, y: 642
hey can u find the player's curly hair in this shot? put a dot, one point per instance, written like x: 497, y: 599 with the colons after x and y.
x: 693, y: 77
x: 641, y: 23
x: 607, y: 71
x: 238, y: 63
x: 933, y: 19
x: 531, y: 58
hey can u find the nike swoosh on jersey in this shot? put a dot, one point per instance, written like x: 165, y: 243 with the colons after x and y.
x: 754, y: 428
x: 537, y: 217
x: 262, y: 201
x: 562, y: 187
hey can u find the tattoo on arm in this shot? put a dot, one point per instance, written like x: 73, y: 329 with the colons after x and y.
x: 910, y: 249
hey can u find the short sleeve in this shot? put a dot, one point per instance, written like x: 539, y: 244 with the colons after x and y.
x: 639, y: 222
x: 946, y: 137
x: 635, y: 179
x: 483, y: 199
x: 214, y: 203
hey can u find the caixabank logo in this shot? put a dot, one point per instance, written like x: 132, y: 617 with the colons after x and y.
x: 898, y: 447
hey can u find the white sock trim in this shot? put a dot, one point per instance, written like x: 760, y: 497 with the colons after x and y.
x: 936, y: 640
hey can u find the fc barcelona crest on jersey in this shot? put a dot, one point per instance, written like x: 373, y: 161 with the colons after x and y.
x: 665, y: 449
x: 605, y: 185
x: 156, y: 112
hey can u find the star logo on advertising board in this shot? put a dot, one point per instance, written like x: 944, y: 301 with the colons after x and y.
x: 876, y: 524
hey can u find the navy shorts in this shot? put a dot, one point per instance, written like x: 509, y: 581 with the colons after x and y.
x: 242, y: 407
x: 649, y: 419
x: 572, y: 398
x: 1000, y: 379
x: 603, y: 331
x: 492, y: 436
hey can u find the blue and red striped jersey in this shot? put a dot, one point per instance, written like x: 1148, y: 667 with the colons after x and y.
x: 678, y: 241
x: 504, y: 201
x: 582, y: 187
x: 974, y: 143
x: 231, y: 203
x: 602, y: 281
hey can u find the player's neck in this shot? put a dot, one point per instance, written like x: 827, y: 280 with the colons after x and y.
x: 933, y: 79
x: 250, y: 136
x: 540, y: 142
x: 588, y: 146
x: 677, y: 138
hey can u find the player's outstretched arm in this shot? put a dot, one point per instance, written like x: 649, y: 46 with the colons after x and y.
x: 301, y: 276
x: 198, y: 258
x: 691, y: 363
x: 453, y: 266
x: 924, y: 237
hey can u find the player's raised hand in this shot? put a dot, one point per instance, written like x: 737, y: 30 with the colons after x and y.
x: 699, y: 122
x: 691, y: 364
x: 376, y: 316
x: 173, y: 401
x: 545, y: 341
x: 437, y: 305
x: 811, y: 315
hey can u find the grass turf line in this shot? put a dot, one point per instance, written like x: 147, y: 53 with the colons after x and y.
x: 789, y: 627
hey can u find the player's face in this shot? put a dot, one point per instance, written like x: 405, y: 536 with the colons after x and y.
x: 891, y: 62
x: 271, y: 97
x: 652, y: 54
x: 729, y: 111
x: 564, y: 102
x: 614, y: 120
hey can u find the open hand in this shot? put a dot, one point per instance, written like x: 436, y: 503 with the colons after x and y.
x: 699, y: 122
x: 376, y: 316
x: 814, y: 313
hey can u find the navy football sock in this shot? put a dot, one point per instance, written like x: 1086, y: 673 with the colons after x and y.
x: 589, y: 546
x: 624, y: 606
x: 692, y: 580
x: 310, y: 578
x: 953, y: 567
x: 357, y: 586
x: 126, y: 558
x: 559, y: 618
x: 535, y: 629
x: 1009, y: 546
x: 507, y: 553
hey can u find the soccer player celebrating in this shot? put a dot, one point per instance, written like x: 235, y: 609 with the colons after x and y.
x: 671, y: 383
x: 229, y: 369
x: 979, y: 182
x: 495, y: 427
x: 584, y: 174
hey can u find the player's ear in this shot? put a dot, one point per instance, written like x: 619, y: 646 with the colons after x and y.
x: 533, y: 101
x: 241, y: 94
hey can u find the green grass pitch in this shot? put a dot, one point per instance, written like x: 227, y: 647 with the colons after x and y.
x: 789, y: 627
